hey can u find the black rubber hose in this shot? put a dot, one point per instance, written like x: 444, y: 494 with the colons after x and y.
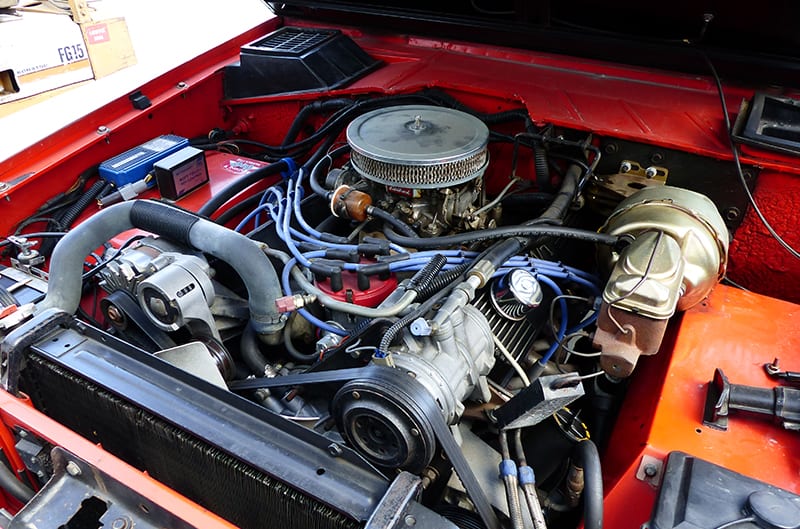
x: 387, y: 217
x: 293, y: 351
x: 317, y: 107
x: 524, y: 231
x: 323, y: 164
x: 10, y: 483
x: 7, y: 298
x: 490, y: 119
x: 566, y: 194
x: 239, y: 185
x: 251, y: 353
x: 502, y: 251
x: 542, y: 167
x: 170, y: 222
x: 527, y: 199
x: 589, y: 459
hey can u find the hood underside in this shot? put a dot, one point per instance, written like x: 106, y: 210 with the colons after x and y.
x: 745, y: 41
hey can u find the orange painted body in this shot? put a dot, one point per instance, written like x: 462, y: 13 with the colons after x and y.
x: 17, y: 413
x: 738, y: 332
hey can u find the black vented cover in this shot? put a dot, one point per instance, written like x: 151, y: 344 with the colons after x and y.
x: 293, y: 59
x: 224, y: 485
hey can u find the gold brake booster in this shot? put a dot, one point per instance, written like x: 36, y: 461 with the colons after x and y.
x: 679, y: 253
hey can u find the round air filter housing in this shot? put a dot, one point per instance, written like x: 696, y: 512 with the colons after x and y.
x: 418, y: 146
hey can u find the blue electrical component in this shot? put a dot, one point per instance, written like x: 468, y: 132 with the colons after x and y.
x: 134, y: 164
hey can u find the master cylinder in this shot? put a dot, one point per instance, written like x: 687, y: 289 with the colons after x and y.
x: 679, y: 253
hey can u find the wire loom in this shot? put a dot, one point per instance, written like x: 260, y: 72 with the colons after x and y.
x: 225, y: 485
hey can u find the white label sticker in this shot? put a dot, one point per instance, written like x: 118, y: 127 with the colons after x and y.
x: 189, y: 176
x: 159, y: 144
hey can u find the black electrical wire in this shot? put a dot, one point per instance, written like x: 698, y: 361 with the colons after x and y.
x: 70, y: 214
x: 239, y: 185
x: 35, y: 235
x: 390, y: 219
x: 239, y: 208
x: 102, y: 264
x: 737, y: 162
x: 52, y: 221
x: 501, y: 233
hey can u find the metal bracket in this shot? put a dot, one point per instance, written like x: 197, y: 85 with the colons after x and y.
x: 399, y: 509
x: 13, y: 348
x: 78, y: 492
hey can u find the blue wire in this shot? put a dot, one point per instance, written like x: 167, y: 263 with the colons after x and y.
x: 287, y: 290
x: 562, y: 327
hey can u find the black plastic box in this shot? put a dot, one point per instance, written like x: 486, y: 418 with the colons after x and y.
x: 292, y: 60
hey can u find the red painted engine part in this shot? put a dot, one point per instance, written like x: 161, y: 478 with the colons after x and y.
x: 738, y: 332
x: 379, y: 289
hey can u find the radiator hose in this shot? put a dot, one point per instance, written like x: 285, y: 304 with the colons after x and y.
x: 243, y: 254
x: 589, y: 459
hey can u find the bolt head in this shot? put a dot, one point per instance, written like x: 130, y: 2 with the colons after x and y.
x: 73, y: 469
x: 114, y: 314
x: 651, y: 172
x: 120, y: 523
x: 410, y: 521
x: 650, y: 470
x: 158, y: 306
x: 102, y: 129
x: 625, y: 167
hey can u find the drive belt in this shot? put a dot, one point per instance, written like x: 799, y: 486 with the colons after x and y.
x: 441, y: 430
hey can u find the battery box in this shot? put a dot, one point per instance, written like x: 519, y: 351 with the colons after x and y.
x: 134, y: 164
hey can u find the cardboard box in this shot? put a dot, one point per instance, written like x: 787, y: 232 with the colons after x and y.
x: 40, y: 52
x: 109, y: 45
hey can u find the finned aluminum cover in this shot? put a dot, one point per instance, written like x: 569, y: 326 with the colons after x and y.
x: 418, y: 146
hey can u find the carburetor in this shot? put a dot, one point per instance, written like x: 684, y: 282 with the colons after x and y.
x: 423, y: 164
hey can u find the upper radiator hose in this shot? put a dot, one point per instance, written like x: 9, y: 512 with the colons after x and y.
x: 243, y: 254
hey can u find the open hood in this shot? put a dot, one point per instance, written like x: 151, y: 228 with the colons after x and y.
x: 745, y: 41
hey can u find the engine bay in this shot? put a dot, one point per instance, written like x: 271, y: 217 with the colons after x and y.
x: 419, y: 299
